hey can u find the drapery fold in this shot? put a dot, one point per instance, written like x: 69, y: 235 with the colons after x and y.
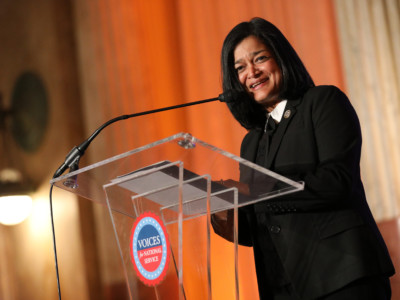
x: 370, y: 42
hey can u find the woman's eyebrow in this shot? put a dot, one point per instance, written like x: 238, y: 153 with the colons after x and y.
x: 252, y: 55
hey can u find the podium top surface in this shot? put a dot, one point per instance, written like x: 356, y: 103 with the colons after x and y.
x: 197, y: 158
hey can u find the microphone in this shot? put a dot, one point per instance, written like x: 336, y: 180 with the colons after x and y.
x: 72, y: 159
x: 230, y: 96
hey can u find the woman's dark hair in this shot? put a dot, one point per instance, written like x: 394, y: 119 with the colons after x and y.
x: 295, y: 78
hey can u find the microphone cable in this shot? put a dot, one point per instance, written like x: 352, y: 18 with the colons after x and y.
x: 54, y: 240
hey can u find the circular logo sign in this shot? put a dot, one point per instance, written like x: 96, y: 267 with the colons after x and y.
x: 150, y: 248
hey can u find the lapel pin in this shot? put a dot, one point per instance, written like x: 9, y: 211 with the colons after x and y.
x: 287, y: 114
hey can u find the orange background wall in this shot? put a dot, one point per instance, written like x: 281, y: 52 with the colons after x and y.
x: 141, y: 55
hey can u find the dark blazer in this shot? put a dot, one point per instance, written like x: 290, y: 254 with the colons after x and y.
x: 324, y: 237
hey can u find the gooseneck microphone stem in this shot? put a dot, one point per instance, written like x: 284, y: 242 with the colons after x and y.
x: 123, y: 117
x: 74, y: 155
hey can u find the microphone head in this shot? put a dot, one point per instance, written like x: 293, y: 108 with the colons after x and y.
x: 232, y: 96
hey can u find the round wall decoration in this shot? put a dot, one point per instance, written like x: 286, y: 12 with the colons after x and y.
x: 29, y: 109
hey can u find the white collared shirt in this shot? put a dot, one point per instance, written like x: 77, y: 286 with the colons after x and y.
x: 278, y: 111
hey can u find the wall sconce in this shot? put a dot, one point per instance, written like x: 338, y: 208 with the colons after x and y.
x: 25, y: 123
x: 15, y: 209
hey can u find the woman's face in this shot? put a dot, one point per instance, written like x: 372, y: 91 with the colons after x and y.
x: 258, y: 71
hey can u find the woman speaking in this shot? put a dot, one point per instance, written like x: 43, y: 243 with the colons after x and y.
x: 326, y: 245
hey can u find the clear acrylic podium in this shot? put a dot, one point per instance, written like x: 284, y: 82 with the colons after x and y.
x: 164, y: 199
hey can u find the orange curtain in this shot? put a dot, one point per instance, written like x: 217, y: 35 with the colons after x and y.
x: 140, y: 55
